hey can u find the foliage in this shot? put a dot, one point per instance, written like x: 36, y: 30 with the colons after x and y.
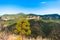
x: 23, y: 26
x: 35, y: 28
x: 19, y: 38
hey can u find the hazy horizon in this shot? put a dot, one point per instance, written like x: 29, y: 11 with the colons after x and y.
x: 40, y: 7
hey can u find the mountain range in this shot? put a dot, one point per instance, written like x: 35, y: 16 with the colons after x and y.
x: 47, y: 16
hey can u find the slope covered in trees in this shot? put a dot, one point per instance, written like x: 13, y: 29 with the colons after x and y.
x: 49, y: 29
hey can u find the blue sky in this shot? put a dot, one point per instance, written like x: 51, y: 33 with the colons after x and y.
x: 29, y: 6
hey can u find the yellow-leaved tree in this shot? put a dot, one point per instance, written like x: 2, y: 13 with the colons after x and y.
x: 23, y: 27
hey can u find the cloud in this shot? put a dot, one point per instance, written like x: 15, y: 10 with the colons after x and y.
x: 43, y: 2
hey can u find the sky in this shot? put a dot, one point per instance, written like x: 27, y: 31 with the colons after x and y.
x: 40, y: 7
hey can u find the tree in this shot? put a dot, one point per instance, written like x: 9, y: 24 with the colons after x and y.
x: 35, y: 29
x: 23, y: 27
x: 55, y: 35
x: 46, y: 29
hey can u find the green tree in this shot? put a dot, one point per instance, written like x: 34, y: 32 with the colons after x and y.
x: 23, y: 27
x: 46, y: 29
x: 35, y: 29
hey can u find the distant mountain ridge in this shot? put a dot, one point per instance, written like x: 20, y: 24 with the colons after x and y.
x: 47, y: 16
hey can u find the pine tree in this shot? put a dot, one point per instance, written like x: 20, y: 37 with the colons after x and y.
x: 23, y: 27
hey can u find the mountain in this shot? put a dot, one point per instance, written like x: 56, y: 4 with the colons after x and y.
x: 48, y: 16
x: 19, y: 15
